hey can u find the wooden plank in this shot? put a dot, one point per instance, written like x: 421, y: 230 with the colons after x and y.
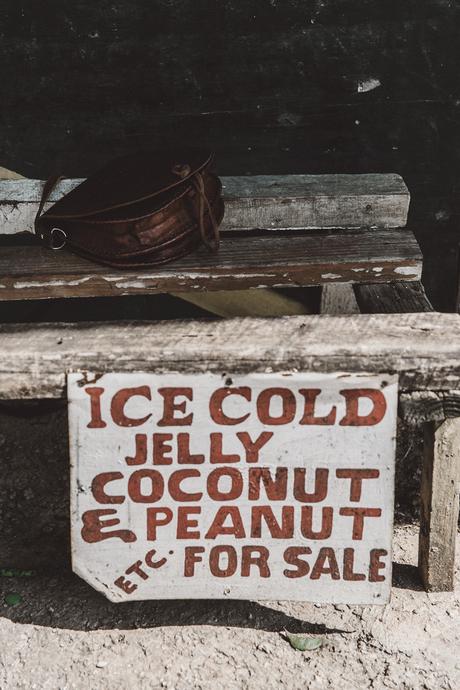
x: 6, y: 174
x: 392, y: 298
x: 226, y: 303
x: 259, y: 201
x: 439, y: 505
x: 338, y: 298
x: 35, y: 272
x: 419, y: 407
x: 315, y: 201
x: 421, y: 348
x: 230, y: 303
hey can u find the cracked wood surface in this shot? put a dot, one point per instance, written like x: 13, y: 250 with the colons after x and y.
x: 439, y: 492
x: 421, y: 348
x: 392, y: 297
x: 35, y: 272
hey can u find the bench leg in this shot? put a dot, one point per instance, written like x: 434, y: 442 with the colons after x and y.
x: 439, y: 504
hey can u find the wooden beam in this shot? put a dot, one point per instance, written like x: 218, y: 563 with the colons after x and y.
x: 439, y: 505
x: 338, y: 298
x: 35, y: 272
x: 260, y: 201
x: 228, y: 303
x: 421, y: 348
x: 419, y: 407
x: 392, y: 298
x: 6, y: 174
x: 231, y: 303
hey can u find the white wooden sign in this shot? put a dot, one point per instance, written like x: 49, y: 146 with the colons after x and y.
x: 260, y: 486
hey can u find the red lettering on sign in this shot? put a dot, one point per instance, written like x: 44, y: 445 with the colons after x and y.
x: 174, y: 486
x: 306, y: 523
x: 96, y: 420
x: 98, y: 487
x: 214, y: 561
x: 236, y: 486
x: 171, y: 406
x: 161, y: 448
x: 136, y: 568
x: 151, y: 563
x: 358, y: 515
x: 119, y: 400
x: 216, y: 453
x: 192, y: 556
x: 154, y: 479
x: 352, y: 396
x: 93, y: 524
x: 126, y: 585
x: 185, y: 525
x: 376, y: 565
x: 155, y: 520
x: 140, y: 457
x: 357, y: 477
x: 310, y: 395
x: 277, y: 531
x: 253, y: 448
x: 348, y: 566
x: 236, y: 528
x: 216, y: 401
x: 275, y: 489
x: 184, y: 457
x: 292, y: 557
x: 320, y: 492
x: 325, y: 564
x: 257, y: 556
x: 288, y: 406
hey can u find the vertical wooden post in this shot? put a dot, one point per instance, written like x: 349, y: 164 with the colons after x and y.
x: 439, y: 504
x: 338, y: 298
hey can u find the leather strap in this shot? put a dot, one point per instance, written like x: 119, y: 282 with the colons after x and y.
x: 47, y: 189
x: 213, y: 244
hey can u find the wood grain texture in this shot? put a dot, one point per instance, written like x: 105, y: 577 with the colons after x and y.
x: 34, y: 272
x: 421, y: 348
x: 439, y: 505
x: 420, y: 407
x: 338, y: 298
x: 315, y: 201
x: 259, y: 201
x: 390, y: 298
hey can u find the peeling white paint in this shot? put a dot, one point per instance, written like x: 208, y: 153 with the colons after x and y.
x: 52, y: 283
x: 131, y: 284
x: 377, y: 269
x: 330, y: 276
x: 406, y: 271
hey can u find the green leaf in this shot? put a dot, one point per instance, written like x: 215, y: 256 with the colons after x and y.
x: 303, y: 643
x: 13, y: 599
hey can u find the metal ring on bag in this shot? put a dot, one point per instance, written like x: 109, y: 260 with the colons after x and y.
x: 52, y: 236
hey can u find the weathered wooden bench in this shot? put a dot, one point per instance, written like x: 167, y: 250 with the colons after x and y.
x: 278, y: 232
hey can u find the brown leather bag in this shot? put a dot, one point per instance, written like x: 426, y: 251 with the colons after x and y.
x: 142, y: 209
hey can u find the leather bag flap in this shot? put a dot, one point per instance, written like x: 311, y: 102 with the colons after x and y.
x: 130, y: 179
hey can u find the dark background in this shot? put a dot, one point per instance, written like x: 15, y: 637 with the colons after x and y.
x: 271, y: 85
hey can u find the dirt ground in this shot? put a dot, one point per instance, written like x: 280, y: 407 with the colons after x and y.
x: 63, y: 636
